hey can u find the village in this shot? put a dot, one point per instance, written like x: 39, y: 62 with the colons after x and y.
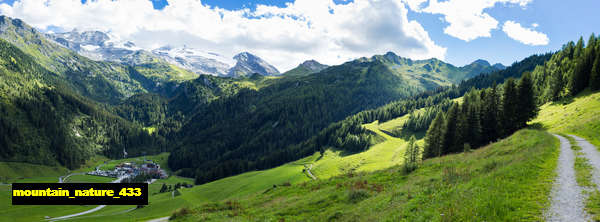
x: 132, y: 170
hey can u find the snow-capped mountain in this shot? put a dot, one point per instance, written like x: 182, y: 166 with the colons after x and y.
x: 248, y: 64
x: 102, y: 46
x: 195, y: 60
x: 96, y: 45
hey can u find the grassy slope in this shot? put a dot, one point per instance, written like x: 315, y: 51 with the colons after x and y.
x: 333, y: 163
x: 508, y: 180
x: 380, y: 156
x: 14, y: 172
x: 18, y: 172
x: 579, y: 116
x: 88, y: 179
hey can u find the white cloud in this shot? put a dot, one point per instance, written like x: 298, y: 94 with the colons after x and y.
x: 526, y: 36
x: 467, y: 19
x: 285, y: 36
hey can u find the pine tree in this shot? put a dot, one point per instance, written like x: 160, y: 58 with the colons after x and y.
x: 450, y: 130
x: 526, y: 103
x: 164, y: 188
x: 578, y: 48
x: 554, y: 85
x: 473, y: 125
x: 595, y: 74
x: 434, y: 139
x: 509, y: 108
x: 489, y: 120
x: 583, y: 62
x: 462, y: 131
x: 411, y: 155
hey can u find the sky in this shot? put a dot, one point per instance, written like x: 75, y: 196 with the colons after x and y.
x: 288, y: 32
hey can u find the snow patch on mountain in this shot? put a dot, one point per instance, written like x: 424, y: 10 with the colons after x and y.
x: 195, y: 60
x: 104, y: 46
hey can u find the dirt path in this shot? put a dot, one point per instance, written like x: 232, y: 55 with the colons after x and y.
x: 308, y: 171
x: 593, y: 156
x: 162, y: 219
x: 567, y: 200
x: 62, y: 179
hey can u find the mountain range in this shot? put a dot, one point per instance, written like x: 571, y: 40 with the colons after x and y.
x: 101, y: 46
x: 205, y: 119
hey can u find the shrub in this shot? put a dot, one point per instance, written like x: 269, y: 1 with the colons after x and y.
x: 180, y: 213
x: 357, y: 195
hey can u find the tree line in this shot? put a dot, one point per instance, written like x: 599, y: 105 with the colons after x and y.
x: 483, y: 117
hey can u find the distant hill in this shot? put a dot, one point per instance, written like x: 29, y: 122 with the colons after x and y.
x: 307, y: 67
x: 499, y: 66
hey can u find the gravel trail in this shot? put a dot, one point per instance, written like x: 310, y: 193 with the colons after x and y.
x: 593, y: 156
x: 567, y: 200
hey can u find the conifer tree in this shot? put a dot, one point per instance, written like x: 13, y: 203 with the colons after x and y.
x: 411, y: 155
x: 526, y: 103
x: 578, y: 48
x: 474, y: 121
x: 595, y: 74
x: 489, y: 121
x: 450, y: 130
x: 163, y: 188
x: 582, y: 66
x: 434, y: 139
x: 554, y: 85
x: 509, y: 108
x: 462, y: 130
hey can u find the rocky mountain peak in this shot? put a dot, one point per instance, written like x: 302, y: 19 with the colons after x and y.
x: 248, y: 63
x: 313, y: 65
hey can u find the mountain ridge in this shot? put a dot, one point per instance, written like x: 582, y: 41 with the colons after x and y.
x: 307, y: 67
x: 248, y: 63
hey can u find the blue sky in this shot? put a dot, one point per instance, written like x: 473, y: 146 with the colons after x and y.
x: 364, y: 28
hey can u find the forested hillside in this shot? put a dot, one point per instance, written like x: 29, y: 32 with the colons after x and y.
x: 350, y: 135
x: 260, y: 129
x: 43, y: 121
